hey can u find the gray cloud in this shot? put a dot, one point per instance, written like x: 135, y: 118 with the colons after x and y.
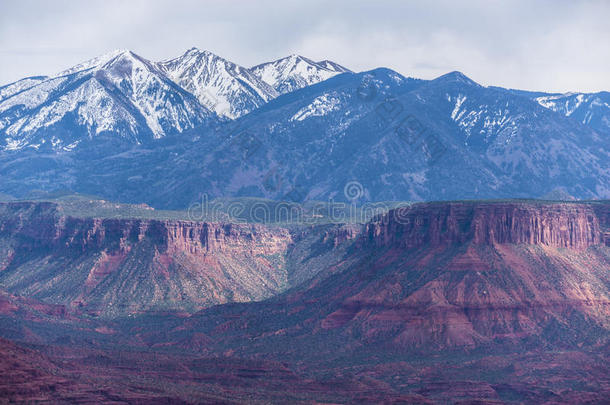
x: 538, y: 45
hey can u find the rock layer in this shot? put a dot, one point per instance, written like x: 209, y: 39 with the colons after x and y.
x: 574, y: 226
x: 445, y: 276
x: 118, y: 266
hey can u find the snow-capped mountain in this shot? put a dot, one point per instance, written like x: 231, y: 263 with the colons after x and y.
x: 295, y: 72
x: 127, y: 97
x: 220, y: 85
x: 400, y: 138
x: 119, y: 93
x: 406, y: 139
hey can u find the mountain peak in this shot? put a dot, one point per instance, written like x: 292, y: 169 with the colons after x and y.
x: 112, y: 54
x: 120, y: 55
x: 295, y: 56
x: 119, y: 51
x: 194, y: 51
x: 97, y: 61
x: 219, y: 84
x: 295, y: 71
x: 197, y: 57
x: 117, y: 93
x: 456, y: 76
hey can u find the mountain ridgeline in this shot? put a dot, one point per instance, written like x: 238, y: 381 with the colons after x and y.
x: 167, y: 133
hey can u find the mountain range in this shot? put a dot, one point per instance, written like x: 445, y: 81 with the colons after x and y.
x: 165, y: 133
x: 196, y: 231
x: 136, y: 99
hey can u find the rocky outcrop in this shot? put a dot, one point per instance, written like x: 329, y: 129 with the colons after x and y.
x: 339, y: 235
x: 118, y: 266
x: 565, y: 225
x: 39, y: 226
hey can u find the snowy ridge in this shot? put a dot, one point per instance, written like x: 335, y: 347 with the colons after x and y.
x: 119, y: 92
x: 222, y: 86
x: 295, y: 72
x: 589, y: 109
x: 134, y: 99
x: 330, y: 65
x: 19, y: 86
x: 96, y: 62
x: 482, y: 116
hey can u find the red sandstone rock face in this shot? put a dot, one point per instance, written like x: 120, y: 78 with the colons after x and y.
x: 570, y: 225
x: 468, y: 274
x: 343, y: 234
x: 457, y: 276
x: 119, y: 266
x: 38, y: 225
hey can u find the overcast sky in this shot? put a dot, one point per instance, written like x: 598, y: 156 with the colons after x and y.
x: 538, y: 45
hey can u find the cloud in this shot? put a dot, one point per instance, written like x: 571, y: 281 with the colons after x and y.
x: 538, y: 45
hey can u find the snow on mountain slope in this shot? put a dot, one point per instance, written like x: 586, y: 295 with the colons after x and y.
x: 329, y: 64
x: 319, y: 107
x: 448, y: 138
x: 565, y: 104
x: 130, y: 98
x: 119, y: 93
x: 591, y: 109
x: 20, y: 85
x: 480, y: 115
x: 295, y: 72
x: 220, y: 85
x: 527, y: 146
x: 400, y: 138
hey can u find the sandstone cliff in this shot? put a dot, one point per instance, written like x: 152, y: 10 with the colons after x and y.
x: 569, y: 225
x: 448, y: 276
x: 116, y: 266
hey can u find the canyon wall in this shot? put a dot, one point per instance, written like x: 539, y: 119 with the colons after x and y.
x: 562, y: 225
x: 39, y: 226
x: 128, y: 265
